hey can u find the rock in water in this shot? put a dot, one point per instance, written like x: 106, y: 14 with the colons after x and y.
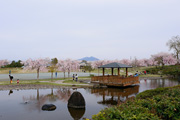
x: 76, y: 100
x: 48, y: 107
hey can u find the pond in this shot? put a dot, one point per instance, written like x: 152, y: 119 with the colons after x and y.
x: 27, y: 104
x: 33, y: 76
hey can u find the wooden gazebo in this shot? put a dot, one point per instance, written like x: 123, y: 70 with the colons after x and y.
x: 115, y: 80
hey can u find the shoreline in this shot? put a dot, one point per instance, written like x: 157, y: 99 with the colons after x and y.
x: 57, y: 84
x: 36, y: 86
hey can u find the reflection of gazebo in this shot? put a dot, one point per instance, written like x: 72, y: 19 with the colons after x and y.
x: 115, y: 94
x: 115, y: 80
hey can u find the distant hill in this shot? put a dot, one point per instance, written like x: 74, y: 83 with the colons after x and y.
x: 89, y: 58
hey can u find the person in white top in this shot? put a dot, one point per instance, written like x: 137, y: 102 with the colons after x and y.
x: 76, y: 77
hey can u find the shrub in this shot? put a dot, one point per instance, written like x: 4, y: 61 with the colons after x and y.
x: 91, y: 75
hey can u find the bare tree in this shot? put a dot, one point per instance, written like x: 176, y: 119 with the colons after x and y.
x: 174, y: 44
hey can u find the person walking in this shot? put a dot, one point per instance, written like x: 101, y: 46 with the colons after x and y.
x: 11, y: 78
x: 56, y: 74
x: 73, y: 77
x: 76, y: 77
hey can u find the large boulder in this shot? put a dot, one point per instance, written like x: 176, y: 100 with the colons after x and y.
x: 76, y: 100
x: 48, y: 107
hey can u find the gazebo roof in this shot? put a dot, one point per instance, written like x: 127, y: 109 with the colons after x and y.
x: 115, y: 65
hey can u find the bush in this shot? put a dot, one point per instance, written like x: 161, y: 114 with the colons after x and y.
x: 172, y: 70
x: 91, y: 75
x: 14, y: 64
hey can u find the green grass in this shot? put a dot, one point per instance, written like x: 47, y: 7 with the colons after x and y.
x: 73, y: 82
x: 68, y: 82
x: 152, y: 75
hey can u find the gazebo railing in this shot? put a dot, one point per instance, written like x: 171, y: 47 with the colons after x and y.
x: 115, y: 80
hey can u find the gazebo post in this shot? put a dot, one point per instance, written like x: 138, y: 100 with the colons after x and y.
x: 118, y: 71
x: 103, y: 71
x: 112, y: 70
x: 126, y: 72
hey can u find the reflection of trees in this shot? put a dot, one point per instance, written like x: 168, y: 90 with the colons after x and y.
x: 162, y: 83
x: 35, y: 102
x: 116, y: 95
x: 63, y: 94
x: 51, y: 96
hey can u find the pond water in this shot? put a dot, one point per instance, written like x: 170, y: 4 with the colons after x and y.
x: 27, y: 104
x: 33, y: 76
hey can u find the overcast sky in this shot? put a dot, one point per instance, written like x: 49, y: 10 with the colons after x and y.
x: 106, y: 29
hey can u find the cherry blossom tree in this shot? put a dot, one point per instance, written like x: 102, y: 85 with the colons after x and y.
x: 75, y: 65
x: 62, y: 66
x: 163, y: 59
x: 170, y: 60
x: 135, y: 62
x: 3, y: 63
x: 68, y: 65
x: 38, y: 65
x: 142, y: 63
x: 125, y: 61
x: 98, y: 63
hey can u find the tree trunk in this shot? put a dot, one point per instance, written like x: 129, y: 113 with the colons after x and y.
x: 64, y: 75
x: 68, y: 74
x: 177, y: 58
x: 51, y: 75
x: 38, y: 74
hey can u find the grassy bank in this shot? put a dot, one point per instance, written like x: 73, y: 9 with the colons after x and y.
x: 56, y: 81
x: 157, y: 104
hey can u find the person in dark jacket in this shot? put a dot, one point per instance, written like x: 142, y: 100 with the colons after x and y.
x: 11, y: 78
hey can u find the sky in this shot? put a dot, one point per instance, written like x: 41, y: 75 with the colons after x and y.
x: 105, y: 29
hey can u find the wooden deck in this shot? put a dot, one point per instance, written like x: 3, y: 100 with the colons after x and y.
x: 115, y: 80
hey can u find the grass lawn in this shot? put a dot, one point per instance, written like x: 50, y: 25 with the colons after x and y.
x: 46, y: 81
x: 73, y: 82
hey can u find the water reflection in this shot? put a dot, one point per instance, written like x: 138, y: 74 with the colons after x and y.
x: 96, y: 99
x: 36, y: 102
x: 146, y: 84
x: 113, y: 96
x: 10, y: 92
x: 63, y: 94
x: 76, y: 114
